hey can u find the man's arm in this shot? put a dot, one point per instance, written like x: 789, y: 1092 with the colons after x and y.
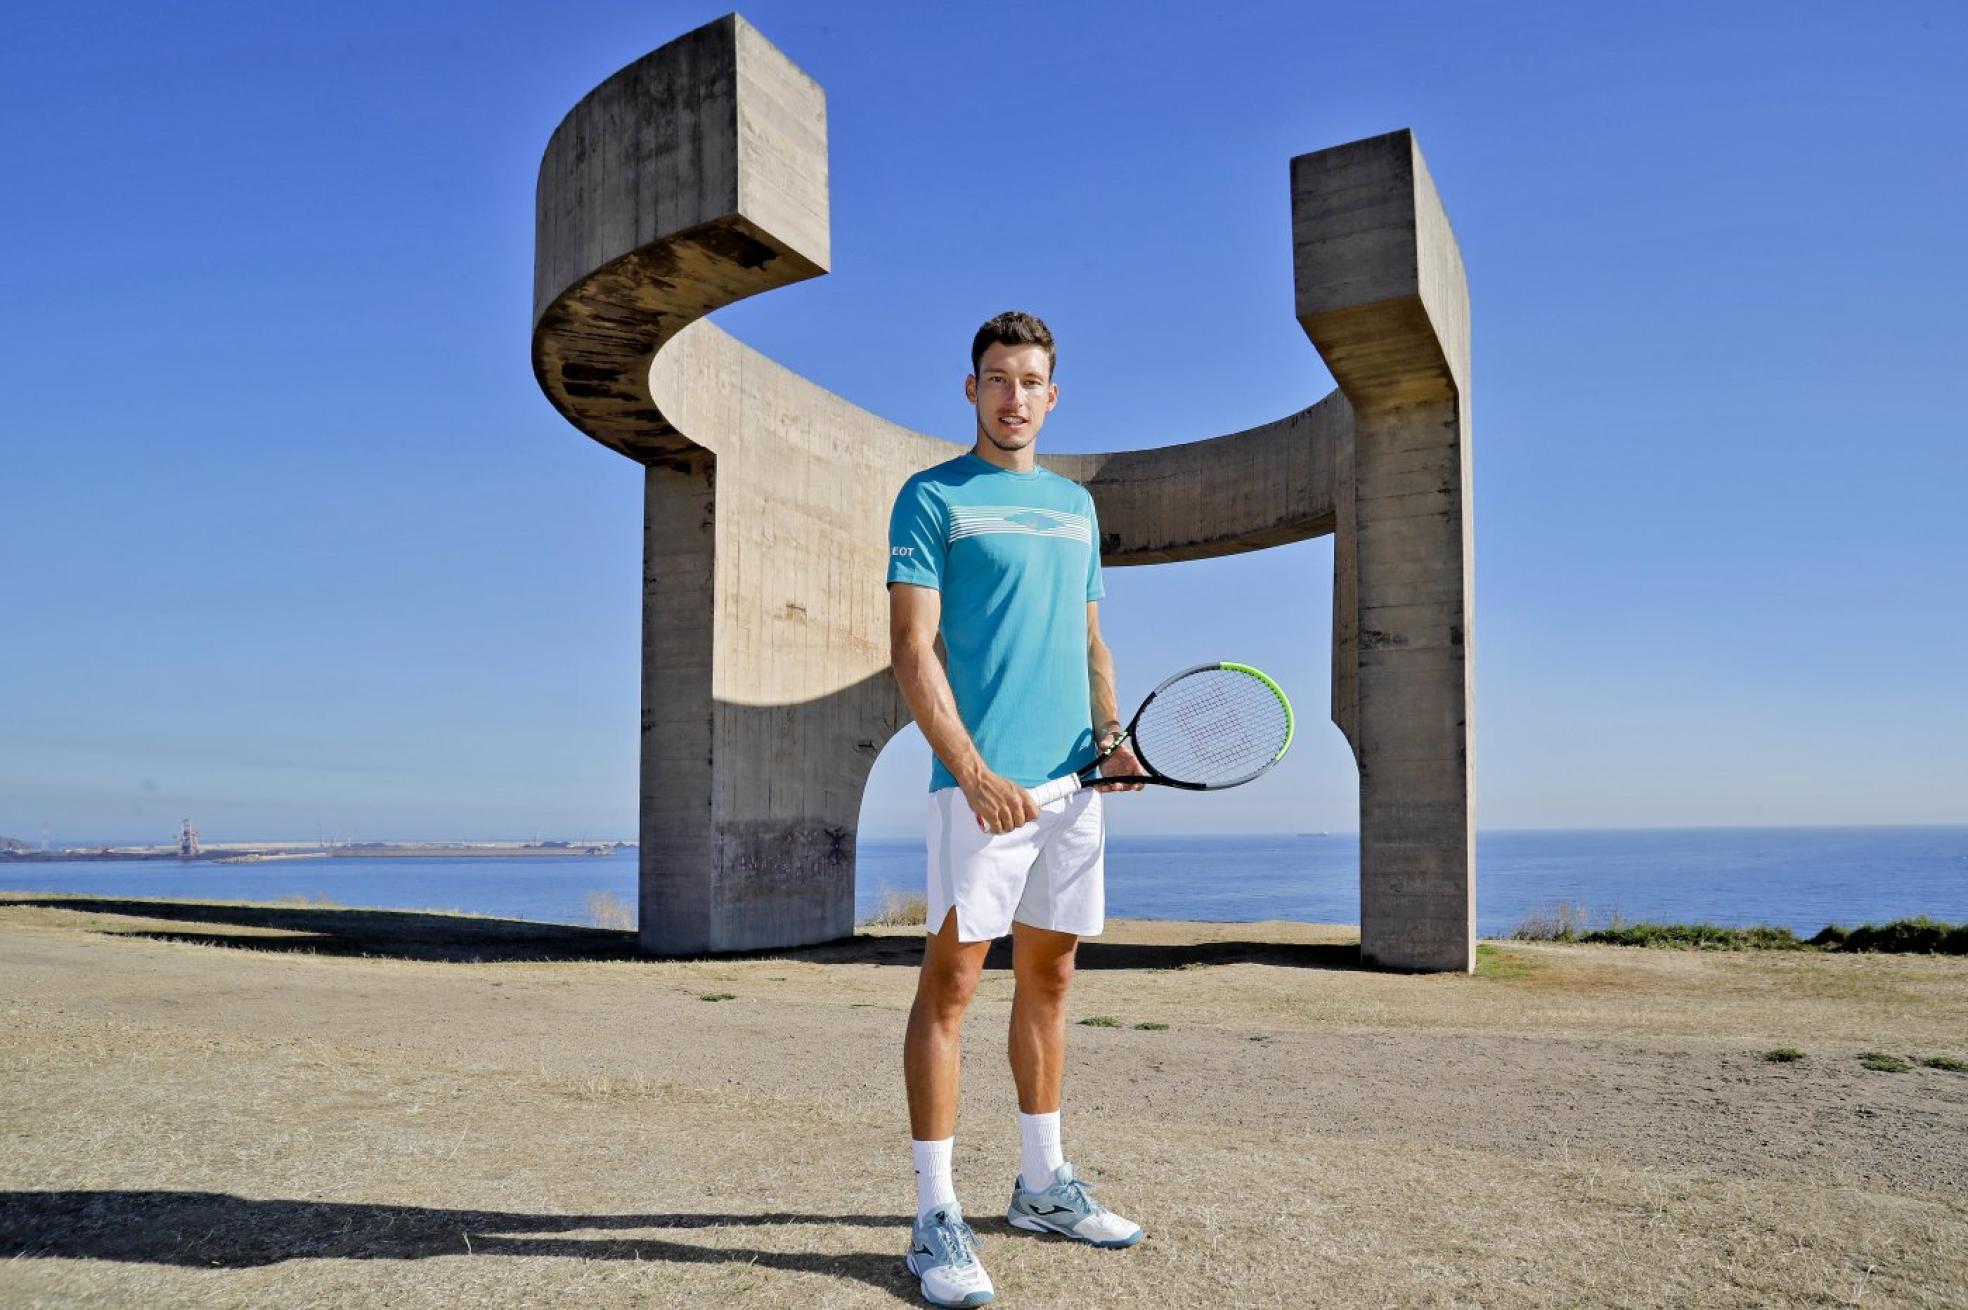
x: 913, y: 613
x: 1102, y: 695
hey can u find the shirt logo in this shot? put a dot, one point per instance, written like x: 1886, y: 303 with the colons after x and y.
x: 901, y: 550
x: 1018, y: 520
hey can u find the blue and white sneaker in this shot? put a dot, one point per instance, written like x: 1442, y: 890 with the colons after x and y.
x: 943, y: 1253
x: 1066, y: 1209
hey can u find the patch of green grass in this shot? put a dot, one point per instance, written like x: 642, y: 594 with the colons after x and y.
x: 1501, y: 964
x: 1883, y: 1062
x: 1100, y: 1021
x: 1947, y: 1062
x: 1783, y: 1055
x: 718, y: 996
x: 1152, y: 1026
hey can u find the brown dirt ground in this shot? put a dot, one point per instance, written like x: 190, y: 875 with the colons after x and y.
x: 421, y: 1110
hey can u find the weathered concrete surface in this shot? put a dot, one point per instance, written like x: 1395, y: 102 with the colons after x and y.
x: 1381, y: 293
x: 691, y: 179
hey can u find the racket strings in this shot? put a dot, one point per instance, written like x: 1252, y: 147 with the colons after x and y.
x: 1214, y: 726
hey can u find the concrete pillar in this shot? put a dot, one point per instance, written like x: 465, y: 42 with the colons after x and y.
x: 1381, y: 293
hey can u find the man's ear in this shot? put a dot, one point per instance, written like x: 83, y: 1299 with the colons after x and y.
x: 1052, y: 395
x: 970, y: 387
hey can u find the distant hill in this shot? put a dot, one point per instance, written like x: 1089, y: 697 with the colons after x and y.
x: 13, y: 844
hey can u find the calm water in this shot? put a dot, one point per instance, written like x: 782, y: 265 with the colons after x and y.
x: 1799, y: 878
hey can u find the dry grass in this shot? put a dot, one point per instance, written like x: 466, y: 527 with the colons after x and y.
x: 1561, y: 921
x: 607, y: 910
x: 193, y: 1126
x: 899, y: 909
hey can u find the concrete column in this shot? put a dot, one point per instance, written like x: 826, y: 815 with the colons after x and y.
x: 1382, y: 295
x: 677, y: 907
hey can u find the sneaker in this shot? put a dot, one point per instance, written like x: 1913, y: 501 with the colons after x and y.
x: 1066, y: 1209
x: 943, y: 1253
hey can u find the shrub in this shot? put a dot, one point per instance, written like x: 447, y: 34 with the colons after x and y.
x: 1562, y: 922
x: 1883, y: 1062
x: 1947, y: 1062
x: 1783, y: 1055
x: 605, y: 910
x: 899, y: 910
x: 1919, y: 935
x: 1100, y: 1021
x: 717, y: 996
x: 1701, y: 936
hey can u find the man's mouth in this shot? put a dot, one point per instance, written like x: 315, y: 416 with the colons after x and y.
x: 1010, y: 421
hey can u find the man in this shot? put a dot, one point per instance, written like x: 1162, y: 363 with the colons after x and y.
x: 1002, y: 559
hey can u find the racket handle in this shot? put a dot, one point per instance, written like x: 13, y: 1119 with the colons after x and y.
x: 1056, y: 790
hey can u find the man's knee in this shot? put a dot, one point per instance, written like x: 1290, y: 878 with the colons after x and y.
x: 945, y: 994
x: 950, y: 971
x: 1046, y: 979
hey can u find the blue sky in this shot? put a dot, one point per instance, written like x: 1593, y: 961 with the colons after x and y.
x: 290, y: 542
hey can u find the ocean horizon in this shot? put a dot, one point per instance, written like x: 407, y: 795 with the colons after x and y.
x: 1800, y: 878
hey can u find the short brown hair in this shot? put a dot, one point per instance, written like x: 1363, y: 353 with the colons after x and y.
x: 1013, y: 328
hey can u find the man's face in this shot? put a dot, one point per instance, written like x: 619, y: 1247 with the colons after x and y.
x: 1013, y: 392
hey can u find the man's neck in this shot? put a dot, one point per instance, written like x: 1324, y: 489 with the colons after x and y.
x: 1011, y: 461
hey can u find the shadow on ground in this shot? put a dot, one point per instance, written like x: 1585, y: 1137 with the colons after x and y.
x: 448, y: 938
x: 208, y: 1230
x: 322, y: 930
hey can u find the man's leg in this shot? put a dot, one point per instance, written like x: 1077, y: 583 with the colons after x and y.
x: 1063, y: 901
x: 1042, y: 970
x: 931, y: 1048
x: 940, y: 1244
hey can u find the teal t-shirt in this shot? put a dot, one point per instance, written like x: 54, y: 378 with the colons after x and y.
x: 1017, y: 558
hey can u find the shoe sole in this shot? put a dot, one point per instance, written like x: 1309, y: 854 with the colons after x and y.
x: 974, y: 1298
x: 1031, y: 1225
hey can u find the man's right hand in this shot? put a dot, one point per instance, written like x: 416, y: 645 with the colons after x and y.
x: 1000, y: 804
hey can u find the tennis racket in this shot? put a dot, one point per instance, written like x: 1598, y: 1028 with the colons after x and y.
x: 1206, y: 728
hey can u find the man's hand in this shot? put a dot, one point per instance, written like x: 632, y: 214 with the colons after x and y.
x: 1120, y: 764
x: 1000, y: 804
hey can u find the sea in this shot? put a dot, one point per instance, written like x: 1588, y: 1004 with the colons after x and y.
x: 1796, y: 878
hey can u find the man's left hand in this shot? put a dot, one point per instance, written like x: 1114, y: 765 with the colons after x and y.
x: 1121, y: 764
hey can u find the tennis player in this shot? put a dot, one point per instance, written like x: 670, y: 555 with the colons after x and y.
x: 1001, y: 558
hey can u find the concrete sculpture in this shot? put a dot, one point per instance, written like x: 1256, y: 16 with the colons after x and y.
x: 697, y: 176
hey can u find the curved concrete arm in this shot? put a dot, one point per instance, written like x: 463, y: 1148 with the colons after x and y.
x: 697, y: 176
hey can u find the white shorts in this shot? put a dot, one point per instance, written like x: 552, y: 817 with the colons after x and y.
x: 1048, y: 874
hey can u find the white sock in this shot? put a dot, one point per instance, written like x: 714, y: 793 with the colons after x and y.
x: 933, y: 1183
x: 1040, y: 1135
